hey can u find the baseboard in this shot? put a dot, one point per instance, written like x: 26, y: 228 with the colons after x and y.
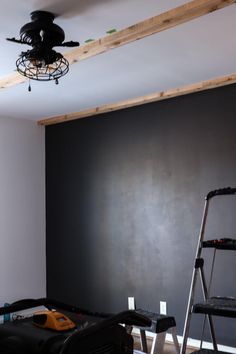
x: 192, y: 343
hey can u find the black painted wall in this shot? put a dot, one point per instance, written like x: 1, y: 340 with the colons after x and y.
x: 125, y: 195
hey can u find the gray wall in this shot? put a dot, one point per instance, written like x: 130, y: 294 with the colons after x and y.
x: 22, y: 210
x: 125, y: 194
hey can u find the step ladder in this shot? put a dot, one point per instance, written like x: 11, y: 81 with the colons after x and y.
x: 160, y: 324
x: 215, y: 306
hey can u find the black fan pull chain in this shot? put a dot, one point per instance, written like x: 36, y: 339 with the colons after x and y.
x: 29, y: 87
x: 56, y: 81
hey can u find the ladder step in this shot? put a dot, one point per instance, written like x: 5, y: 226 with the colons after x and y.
x: 208, y: 351
x: 160, y: 323
x: 218, y: 306
x: 221, y: 244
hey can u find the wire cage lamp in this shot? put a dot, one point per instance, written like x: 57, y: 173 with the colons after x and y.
x: 35, y: 67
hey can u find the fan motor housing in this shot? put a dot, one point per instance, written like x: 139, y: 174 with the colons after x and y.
x: 42, y: 30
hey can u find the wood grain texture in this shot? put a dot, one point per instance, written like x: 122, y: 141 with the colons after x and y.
x: 153, y: 25
x: 157, y: 96
x: 12, y: 80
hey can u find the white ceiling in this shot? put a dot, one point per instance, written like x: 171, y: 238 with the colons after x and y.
x: 201, y: 49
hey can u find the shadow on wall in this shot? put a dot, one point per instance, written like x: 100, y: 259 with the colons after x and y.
x: 68, y: 8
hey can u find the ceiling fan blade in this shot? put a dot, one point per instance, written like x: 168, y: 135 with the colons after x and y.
x: 70, y: 44
x: 16, y: 40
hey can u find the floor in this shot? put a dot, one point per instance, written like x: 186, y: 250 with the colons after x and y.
x: 168, y: 349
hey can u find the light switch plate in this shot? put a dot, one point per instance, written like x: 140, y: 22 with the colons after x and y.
x: 131, y: 303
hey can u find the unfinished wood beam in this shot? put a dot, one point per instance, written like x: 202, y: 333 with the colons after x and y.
x: 164, y: 21
x: 153, y: 25
x: 158, y: 96
x: 11, y: 80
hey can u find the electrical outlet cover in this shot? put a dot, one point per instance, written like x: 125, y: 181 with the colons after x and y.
x: 131, y: 303
x: 163, y: 308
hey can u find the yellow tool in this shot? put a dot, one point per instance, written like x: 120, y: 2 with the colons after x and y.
x: 53, y: 320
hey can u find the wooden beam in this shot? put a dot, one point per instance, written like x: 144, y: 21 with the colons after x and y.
x: 154, y: 97
x: 153, y: 25
x: 164, y: 21
x: 12, y: 80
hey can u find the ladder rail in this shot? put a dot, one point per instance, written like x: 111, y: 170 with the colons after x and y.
x: 194, y: 278
x: 206, y: 296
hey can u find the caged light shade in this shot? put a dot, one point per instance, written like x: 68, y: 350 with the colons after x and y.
x: 37, y: 67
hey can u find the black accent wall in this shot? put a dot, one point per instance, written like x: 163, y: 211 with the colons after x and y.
x: 125, y: 196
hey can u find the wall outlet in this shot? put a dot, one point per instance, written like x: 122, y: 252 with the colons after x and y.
x: 163, y: 308
x: 131, y: 303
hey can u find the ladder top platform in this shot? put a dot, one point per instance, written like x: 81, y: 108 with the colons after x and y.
x: 221, y: 244
x: 218, y: 306
x: 208, y: 351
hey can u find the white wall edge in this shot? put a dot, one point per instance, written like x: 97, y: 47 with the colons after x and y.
x: 195, y: 343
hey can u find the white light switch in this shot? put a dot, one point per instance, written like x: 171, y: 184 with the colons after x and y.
x: 163, y: 308
x: 131, y: 303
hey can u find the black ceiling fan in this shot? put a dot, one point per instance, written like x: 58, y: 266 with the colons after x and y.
x: 42, y: 62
